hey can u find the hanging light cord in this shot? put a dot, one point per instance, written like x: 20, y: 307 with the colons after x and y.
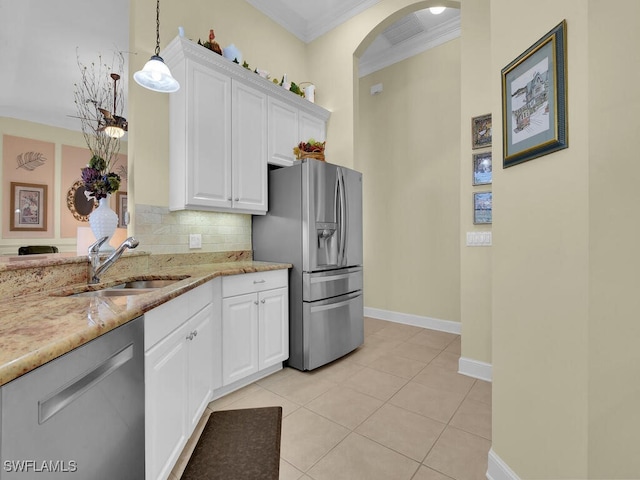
x: 157, y: 28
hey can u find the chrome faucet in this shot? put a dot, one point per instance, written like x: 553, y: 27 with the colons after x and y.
x: 95, y: 267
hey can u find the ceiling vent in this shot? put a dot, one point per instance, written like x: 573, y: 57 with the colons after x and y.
x: 405, y: 28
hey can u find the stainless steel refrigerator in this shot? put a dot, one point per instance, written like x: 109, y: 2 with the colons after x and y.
x: 314, y: 222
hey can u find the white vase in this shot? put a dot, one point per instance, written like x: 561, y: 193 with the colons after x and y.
x: 103, y: 222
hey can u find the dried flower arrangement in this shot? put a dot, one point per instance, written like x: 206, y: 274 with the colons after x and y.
x: 95, y: 91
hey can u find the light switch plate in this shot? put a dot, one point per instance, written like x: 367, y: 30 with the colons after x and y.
x: 479, y: 239
x: 195, y: 240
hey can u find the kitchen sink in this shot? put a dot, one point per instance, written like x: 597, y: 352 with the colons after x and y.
x: 147, y: 284
x: 130, y: 287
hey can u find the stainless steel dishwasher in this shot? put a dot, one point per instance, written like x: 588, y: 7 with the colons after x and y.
x: 80, y: 415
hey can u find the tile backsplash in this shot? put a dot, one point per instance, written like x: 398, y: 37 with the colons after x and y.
x: 162, y: 231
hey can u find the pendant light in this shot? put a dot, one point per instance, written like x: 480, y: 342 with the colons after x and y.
x: 437, y: 10
x: 155, y: 75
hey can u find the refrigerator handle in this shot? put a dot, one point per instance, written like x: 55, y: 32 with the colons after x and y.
x: 342, y: 220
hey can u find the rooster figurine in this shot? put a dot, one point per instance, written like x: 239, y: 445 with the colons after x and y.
x: 213, y: 45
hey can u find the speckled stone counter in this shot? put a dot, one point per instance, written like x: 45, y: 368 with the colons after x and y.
x: 43, y: 323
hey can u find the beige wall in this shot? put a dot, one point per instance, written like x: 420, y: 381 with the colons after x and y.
x: 475, y: 262
x: 541, y: 267
x: 614, y: 229
x: 408, y: 153
x: 565, y: 301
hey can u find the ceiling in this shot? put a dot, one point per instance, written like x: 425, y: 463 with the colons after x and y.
x: 37, y: 80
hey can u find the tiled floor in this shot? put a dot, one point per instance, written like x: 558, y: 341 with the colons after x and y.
x: 396, y: 408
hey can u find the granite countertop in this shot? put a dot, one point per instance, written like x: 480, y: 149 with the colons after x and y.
x: 39, y: 327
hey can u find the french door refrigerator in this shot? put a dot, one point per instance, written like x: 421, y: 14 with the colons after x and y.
x: 314, y: 222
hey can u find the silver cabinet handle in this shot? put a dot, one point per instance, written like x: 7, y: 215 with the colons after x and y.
x: 236, y: 199
x: 255, y: 302
x: 192, y: 335
x: 229, y: 199
x: 262, y: 301
x: 258, y: 281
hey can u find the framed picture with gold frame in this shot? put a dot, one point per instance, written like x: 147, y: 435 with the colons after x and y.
x: 534, y: 100
x: 28, y: 207
x: 481, y: 131
x: 482, y: 207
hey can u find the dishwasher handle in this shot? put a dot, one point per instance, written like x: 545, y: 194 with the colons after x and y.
x: 59, y: 399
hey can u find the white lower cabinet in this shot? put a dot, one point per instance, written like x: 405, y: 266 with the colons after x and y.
x: 202, y: 345
x: 178, y: 371
x: 255, y: 323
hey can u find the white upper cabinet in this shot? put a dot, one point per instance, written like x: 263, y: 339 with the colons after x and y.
x: 226, y: 124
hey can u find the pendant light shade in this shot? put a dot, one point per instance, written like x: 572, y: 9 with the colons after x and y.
x: 155, y: 74
x: 437, y: 10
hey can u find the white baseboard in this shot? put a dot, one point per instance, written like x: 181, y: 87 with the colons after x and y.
x: 498, y: 470
x: 475, y: 369
x: 415, y: 320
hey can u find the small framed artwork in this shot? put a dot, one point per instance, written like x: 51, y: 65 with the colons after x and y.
x: 534, y: 100
x: 482, y: 171
x: 481, y: 131
x: 28, y: 207
x: 121, y: 205
x: 482, y: 207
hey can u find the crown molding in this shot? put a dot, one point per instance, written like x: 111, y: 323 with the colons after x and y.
x: 303, y: 29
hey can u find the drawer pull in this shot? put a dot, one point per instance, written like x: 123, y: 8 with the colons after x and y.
x: 259, y: 281
x: 262, y: 301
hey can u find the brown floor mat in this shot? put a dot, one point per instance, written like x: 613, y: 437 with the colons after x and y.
x: 238, y: 444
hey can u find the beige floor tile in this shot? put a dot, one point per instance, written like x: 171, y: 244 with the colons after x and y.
x: 421, y: 353
x: 300, y: 387
x: 307, y: 437
x: 398, y: 331
x: 228, y: 399
x: 460, y: 455
x: 382, y: 342
x: 473, y: 417
x: 397, y: 365
x: 403, y: 431
x: 433, y: 339
x: 358, y: 458
x: 455, y: 346
x: 264, y: 398
x: 372, y: 325
x: 345, y: 406
x: 439, y: 405
x: 337, y: 371
x: 481, y: 392
x: 426, y: 473
x: 447, y: 360
x: 288, y: 471
x: 365, y: 354
x: 440, y: 378
x: 276, y: 377
x: 377, y: 384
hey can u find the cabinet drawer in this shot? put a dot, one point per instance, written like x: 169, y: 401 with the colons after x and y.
x: 253, y: 282
x: 165, y: 318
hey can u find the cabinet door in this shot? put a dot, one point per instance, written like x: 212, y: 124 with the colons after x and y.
x: 249, y: 148
x: 208, y: 145
x: 199, y: 340
x: 312, y: 127
x: 239, y: 337
x: 166, y: 390
x: 283, y: 132
x: 274, y: 327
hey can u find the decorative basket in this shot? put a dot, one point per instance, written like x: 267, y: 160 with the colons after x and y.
x: 314, y: 155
